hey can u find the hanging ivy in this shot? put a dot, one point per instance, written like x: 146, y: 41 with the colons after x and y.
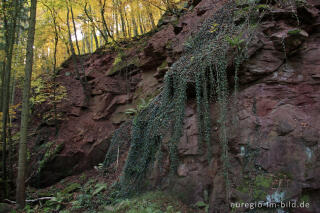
x: 202, y: 68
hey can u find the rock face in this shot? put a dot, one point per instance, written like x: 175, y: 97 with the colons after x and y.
x: 274, y: 147
x: 118, y: 80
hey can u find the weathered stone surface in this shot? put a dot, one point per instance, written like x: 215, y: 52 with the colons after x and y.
x: 189, y: 144
x: 111, y: 106
x: 289, y: 40
x: 75, y: 111
x: 278, y: 130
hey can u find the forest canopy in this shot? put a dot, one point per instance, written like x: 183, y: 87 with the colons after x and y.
x: 97, y: 22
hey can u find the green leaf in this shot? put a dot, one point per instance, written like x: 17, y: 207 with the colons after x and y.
x: 294, y: 32
x: 99, y: 188
x: 201, y: 204
x: 131, y: 111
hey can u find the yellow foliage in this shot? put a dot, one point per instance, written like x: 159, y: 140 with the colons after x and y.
x: 214, y: 27
x: 47, y: 91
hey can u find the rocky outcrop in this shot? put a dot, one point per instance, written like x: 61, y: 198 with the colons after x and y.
x: 274, y: 128
x: 118, y: 80
x: 274, y: 145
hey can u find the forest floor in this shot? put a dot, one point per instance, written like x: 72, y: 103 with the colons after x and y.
x: 91, y: 191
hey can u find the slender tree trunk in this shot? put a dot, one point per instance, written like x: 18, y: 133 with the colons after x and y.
x: 123, y: 24
x: 95, y: 37
x: 101, y: 39
x: 115, y: 6
x: 74, y: 29
x: 20, y: 193
x: 83, y: 81
x: 151, y: 19
x: 88, y: 14
x: 128, y: 24
x: 88, y: 38
x: 3, y: 65
x: 10, y: 32
x: 67, y: 47
x: 105, y: 26
x: 115, y: 14
x: 141, y: 23
x: 10, y: 147
x: 83, y: 43
x: 134, y: 23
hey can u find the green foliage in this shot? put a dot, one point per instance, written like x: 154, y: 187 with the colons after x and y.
x: 82, y: 201
x: 99, y: 187
x: 164, y: 64
x: 305, y: 198
x: 99, y: 167
x: 257, y: 187
x: 50, y: 153
x: 47, y: 91
x: 118, y: 59
x: 294, y: 32
x: 202, y: 205
x: 58, y: 201
x: 263, y: 181
x: 140, y: 106
x: 120, y: 139
x: 151, y: 202
x: 121, y: 63
x: 90, y: 197
x: 235, y: 41
x: 43, y: 91
x: 71, y: 188
x: 28, y: 209
x: 250, y: 9
x: 205, y: 203
x: 261, y: 185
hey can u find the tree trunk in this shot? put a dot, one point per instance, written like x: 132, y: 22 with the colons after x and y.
x: 10, y: 147
x: 83, y: 43
x: 75, y: 29
x: 141, y: 23
x: 115, y: 14
x: 20, y: 193
x: 105, y: 26
x: 3, y: 65
x: 151, y: 19
x: 123, y: 24
x: 83, y: 81
x: 10, y: 34
x: 103, y: 35
x: 88, y: 38
x: 95, y: 37
x: 134, y: 23
x: 128, y: 24
x: 56, y: 41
